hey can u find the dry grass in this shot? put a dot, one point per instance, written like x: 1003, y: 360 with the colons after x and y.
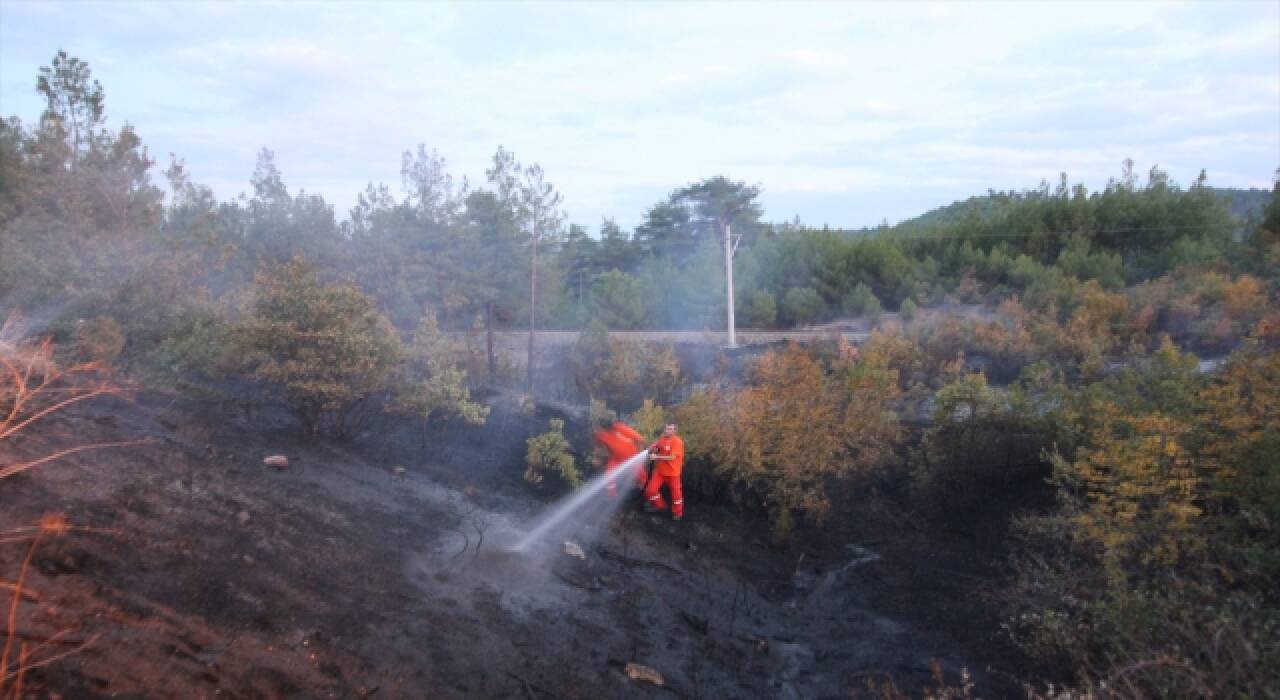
x: 32, y: 388
x: 20, y: 657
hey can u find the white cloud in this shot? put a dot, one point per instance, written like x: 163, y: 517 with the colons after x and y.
x: 820, y: 103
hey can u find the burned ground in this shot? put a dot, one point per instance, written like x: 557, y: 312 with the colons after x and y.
x: 213, y: 576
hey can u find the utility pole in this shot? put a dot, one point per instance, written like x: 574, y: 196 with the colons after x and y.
x: 533, y: 297
x: 728, y: 276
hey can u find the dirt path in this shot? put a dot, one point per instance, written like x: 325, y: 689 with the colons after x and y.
x: 336, y: 578
x: 513, y: 345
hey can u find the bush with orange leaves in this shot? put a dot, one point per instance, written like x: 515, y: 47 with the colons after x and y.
x: 797, y: 423
x: 1156, y: 575
x: 1206, y: 309
x: 1099, y: 328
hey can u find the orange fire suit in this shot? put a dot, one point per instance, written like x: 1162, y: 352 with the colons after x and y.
x: 622, y: 442
x: 667, y: 472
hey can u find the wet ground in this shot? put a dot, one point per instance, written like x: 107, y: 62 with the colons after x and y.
x: 210, y: 575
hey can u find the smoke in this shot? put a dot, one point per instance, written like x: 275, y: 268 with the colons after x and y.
x: 581, y: 515
x: 19, y: 324
x: 492, y: 550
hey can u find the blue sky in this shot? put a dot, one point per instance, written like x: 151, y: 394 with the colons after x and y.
x: 845, y: 114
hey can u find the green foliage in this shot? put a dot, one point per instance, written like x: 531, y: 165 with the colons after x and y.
x: 598, y: 411
x: 1263, y: 246
x: 321, y: 348
x: 761, y: 310
x: 1240, y: 438
x: 1159, y: 564
x: 649, y: 419
x: 618, y: 300
x: 622, y: 373
x: 280, y: 226
x: 801, y: 305
x: 72, y: 101
x: 718, y: 202
x: 862, y: 302
x: 197, y: 354
x: 464, y: 252
x: 431, y: 379
x: 550, y: 452
x: 907, y: 309
x: 1077, y: 260
x: 983, y: 444
x: 78, y: 200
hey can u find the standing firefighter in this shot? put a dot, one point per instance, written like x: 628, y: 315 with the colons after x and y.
x: 668, y: 456
x: 623, y: 443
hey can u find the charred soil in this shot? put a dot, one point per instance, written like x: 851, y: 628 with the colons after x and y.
x: 209, y: 575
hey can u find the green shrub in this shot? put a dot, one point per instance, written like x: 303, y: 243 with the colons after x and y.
x: 862, y: 301
x: 1078, y: 260
x: 1156, y: 573
x: 550, y: 452
x: 432, y: 380
x: 322, y: 348
x: 622, y: 373
x: 982, y: 443
x: 801, y: 305
x: 762, y: 310
x: 649, y: 419
x: 196, y: 353
x: 908, y: 309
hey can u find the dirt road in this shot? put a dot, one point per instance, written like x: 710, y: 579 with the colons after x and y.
x: 514, y: 345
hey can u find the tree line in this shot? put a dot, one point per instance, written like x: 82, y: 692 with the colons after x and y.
x: 80, y: 198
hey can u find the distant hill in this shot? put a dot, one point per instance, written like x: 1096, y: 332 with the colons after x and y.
x: 980, y: 207
x: 1246, y: 205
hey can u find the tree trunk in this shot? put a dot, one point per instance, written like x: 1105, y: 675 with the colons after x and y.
x: 488, y: 340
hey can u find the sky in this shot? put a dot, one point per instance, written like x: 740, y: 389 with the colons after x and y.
x: 845, y: 114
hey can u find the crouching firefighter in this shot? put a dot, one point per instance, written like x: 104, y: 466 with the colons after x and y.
x: 623, y: 443
x: 668, y: 458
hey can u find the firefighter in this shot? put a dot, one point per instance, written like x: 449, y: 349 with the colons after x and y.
x: 668, y: 457
x: 623, y: 443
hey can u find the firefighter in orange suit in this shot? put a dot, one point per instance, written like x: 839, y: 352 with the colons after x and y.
x: 623, y: 443
x: 668, y: 457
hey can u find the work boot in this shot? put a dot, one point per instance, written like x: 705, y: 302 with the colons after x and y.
x: 677, y: 517
x: 649, y: 507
